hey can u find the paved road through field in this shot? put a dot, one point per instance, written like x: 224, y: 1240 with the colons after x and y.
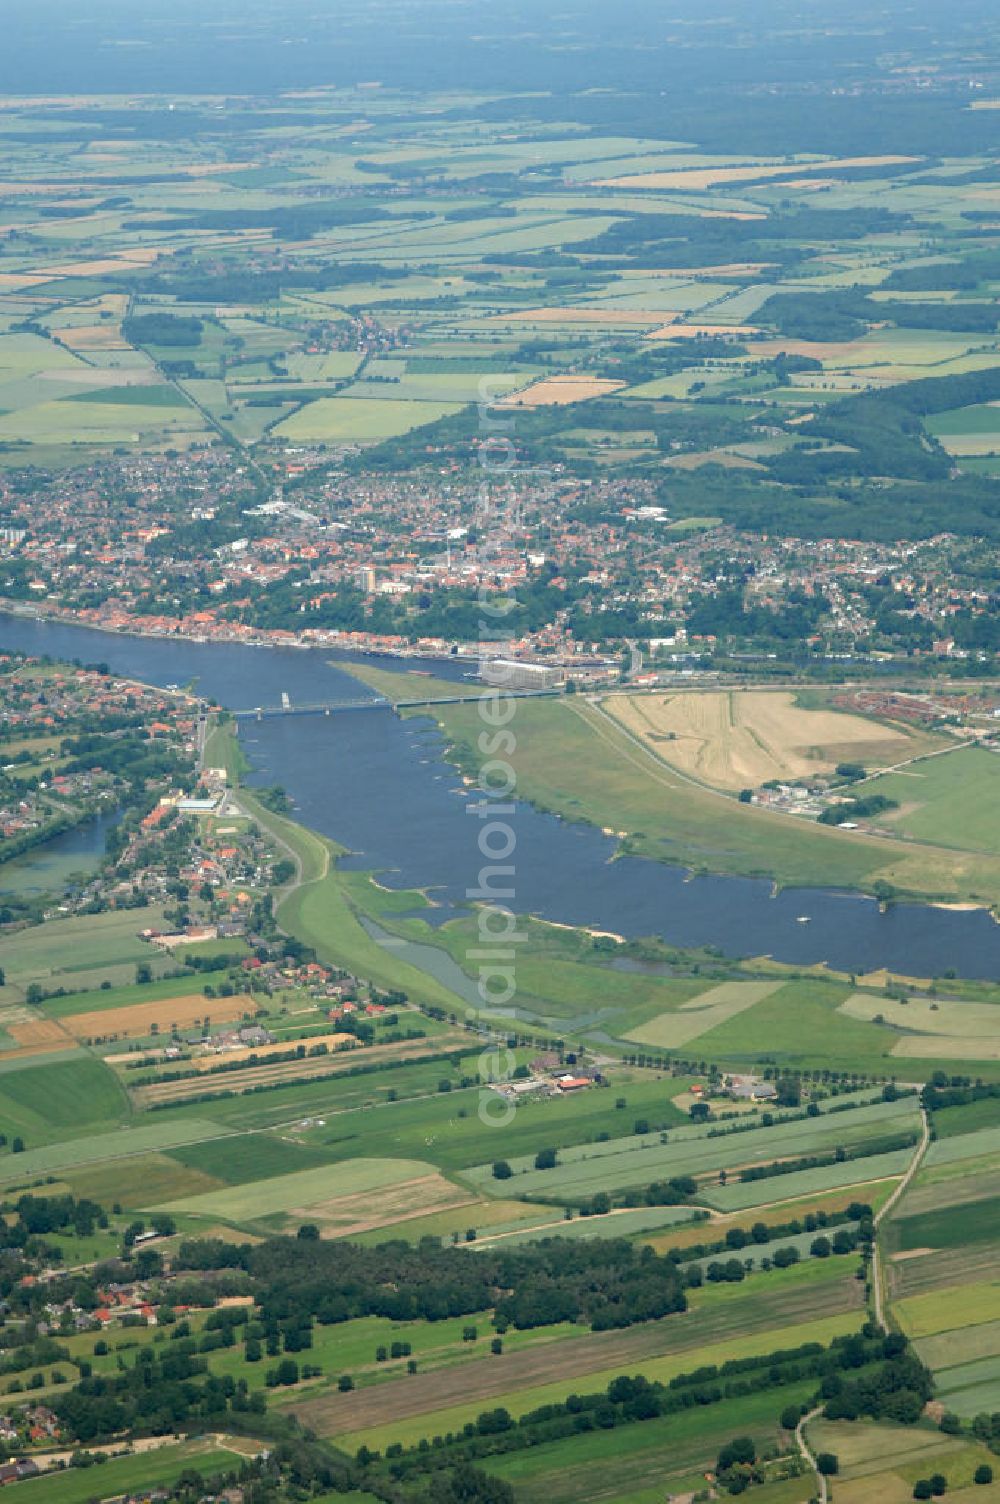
x: 880, y: 1216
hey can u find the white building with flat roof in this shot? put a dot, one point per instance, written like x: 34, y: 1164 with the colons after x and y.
x: 511, y: 673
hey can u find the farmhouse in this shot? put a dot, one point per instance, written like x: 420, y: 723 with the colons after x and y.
x: 13, y: 1472
x: 750, y: 1089
x: 573, y: 1083
x: 512, y: 1091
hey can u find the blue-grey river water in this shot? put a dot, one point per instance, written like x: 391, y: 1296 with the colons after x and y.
x: 381, y: 787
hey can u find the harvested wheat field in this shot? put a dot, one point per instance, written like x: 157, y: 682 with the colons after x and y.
x: 681, y: 330
x: 103, y: 266
x: 577, y: 316
x: 308, y: 1068
x: 740, y: 739
x: 727, y: 458
x: 18, y: 281
x: 559, y: 391
x: 40, y: 1033
x: 709, y: 273
x: 696, y: 179
x: 265, y: 1052
x: 348, y: 1216
x: 136, y: 1021
x: 93, y: 337
x: 838, y: 352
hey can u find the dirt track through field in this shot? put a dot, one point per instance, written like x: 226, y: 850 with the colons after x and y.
x: 484, y: 1378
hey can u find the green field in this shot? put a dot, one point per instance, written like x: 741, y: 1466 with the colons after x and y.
x: 49, y: 1101
x: 951, y: 1227
x: 861, y: 1173
x: 66, y: 951
x: 360, y: 420
x: 71, y: 1152
x: 949, y: 1310
x: 642, y: 1158
x: 263, y: 1198
x: 822, y: 1329
x: 672, y: 1451
x: 950, y: 1122
x: 952, y: 1151
x: 140, y: 1178
x: 942, y: 799
x: 159, y: 1467
x: 249, y: 1157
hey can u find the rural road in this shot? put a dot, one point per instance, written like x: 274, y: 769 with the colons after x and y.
x: 804, y: 1448
x: 880, y: 1216
x: 898, y: 767
x: 259, y: 814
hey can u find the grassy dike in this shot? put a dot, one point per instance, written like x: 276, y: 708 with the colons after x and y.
x: 404, y: 685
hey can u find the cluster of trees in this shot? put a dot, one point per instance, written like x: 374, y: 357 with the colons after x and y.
x: 930, y: 1488
x: 734, y: 1271
x: 846, y: 314
x: 986, y: 1427
x: 864, y: 807
x: 946, y: 276
x: 896, y: 1389
x: 168, y: 329
x: 821, y: 496
x: 605, y: 1283
x: 672, y: 1192
x: 761, y: 1233
x: 942, y: 1092
x: 882, y: 433
x: 162, y: 1392
x: 736, y: 1466
x: 728, y: 614
x: 33, y: 1216
x: 665, y: 240
x: 297, y: 221
x: 131, y: 756
x: 241, y: 284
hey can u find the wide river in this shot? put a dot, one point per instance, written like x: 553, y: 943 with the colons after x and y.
x: 381, y: 786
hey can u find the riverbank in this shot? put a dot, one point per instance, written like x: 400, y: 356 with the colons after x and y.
x: 570, y: 762
x: 237, y: 635
x: 379, y: 786
x: 321, y: 908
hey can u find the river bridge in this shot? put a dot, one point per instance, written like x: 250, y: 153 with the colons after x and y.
x: 336, y: 707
